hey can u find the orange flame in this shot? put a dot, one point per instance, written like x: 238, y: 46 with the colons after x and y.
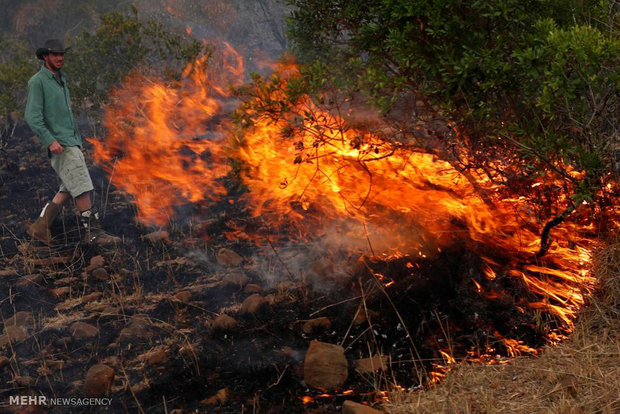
x: 162, y: 145
x: 309, y: 168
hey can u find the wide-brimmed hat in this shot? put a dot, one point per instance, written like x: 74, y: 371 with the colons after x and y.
x: 51, y: 46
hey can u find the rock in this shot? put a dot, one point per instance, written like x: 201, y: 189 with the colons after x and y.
x: 157, y: 236
x: 98, y: 381
x: 292, y: 353
x: 228, y: 258
x: 312, y: 325
x: 66, y: 281
x: 16, y: 333
x: 219, y: 398
x: 91, y: 297
x: 107, y: 240
x: 190, y: 349
x: 224, y: 323
x: 287, y: 286
x: 100, y: 274
x: 351, y: 407
x: 61, y: 291
x: 325, y: 366
x: 156, y: 356
x: 361, y: 316
x: 253, y: 288
x: 8, y: 272
x: 83, y: 330
x: 236, y: 278
x: 24, y: 381
x: 21, y: 318
x: 95, y: 262
x: 4, y: 361
x: 64, y: 341
x: 372, y: 364
x: 183, y: 296
x: 139, y: 327
x: 30, y: 280
x: 50, y: 261
x: 252, y: 304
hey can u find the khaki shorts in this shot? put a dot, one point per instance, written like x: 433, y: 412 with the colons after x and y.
x: 72, y: 171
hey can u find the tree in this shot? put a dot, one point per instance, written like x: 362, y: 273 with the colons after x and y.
x: 538, y: 78
x: 15, y: 70
x: 120, y: 44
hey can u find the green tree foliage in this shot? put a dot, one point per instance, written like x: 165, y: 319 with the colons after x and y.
x: 539, y: 77
x: 15, y: 70
x: 100, y: 59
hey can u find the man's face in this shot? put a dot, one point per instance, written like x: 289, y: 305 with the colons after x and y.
x: 54, y: 61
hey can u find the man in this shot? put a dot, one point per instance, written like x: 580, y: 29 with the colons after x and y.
x: 48, y: 113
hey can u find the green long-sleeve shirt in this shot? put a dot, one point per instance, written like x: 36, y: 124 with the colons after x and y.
x: 48, y: 110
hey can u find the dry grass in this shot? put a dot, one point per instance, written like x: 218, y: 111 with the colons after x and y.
x: 581, y: 375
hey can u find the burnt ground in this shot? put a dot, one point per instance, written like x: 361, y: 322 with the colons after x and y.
x: 150, y: 305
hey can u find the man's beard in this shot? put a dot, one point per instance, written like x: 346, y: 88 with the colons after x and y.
x: 53, y: 67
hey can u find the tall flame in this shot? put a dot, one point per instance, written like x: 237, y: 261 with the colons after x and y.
x: 163, y: 145
x: 166, y: 146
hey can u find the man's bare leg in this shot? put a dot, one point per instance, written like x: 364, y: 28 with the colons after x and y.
x: 61, y: 198
x: 82, y: 201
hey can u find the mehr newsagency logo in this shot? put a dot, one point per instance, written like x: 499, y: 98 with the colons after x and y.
x: 43, y: 400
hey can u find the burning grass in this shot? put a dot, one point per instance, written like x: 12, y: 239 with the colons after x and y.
x: 582, y: 374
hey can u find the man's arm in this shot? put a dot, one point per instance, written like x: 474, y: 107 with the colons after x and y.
x: 34, y: 113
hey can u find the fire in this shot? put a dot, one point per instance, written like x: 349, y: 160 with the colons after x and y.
x: 390, y: 200
x: 163, y: 146
x: 306, y: 169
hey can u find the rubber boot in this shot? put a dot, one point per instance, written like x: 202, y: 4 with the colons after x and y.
x: 40, y: 229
